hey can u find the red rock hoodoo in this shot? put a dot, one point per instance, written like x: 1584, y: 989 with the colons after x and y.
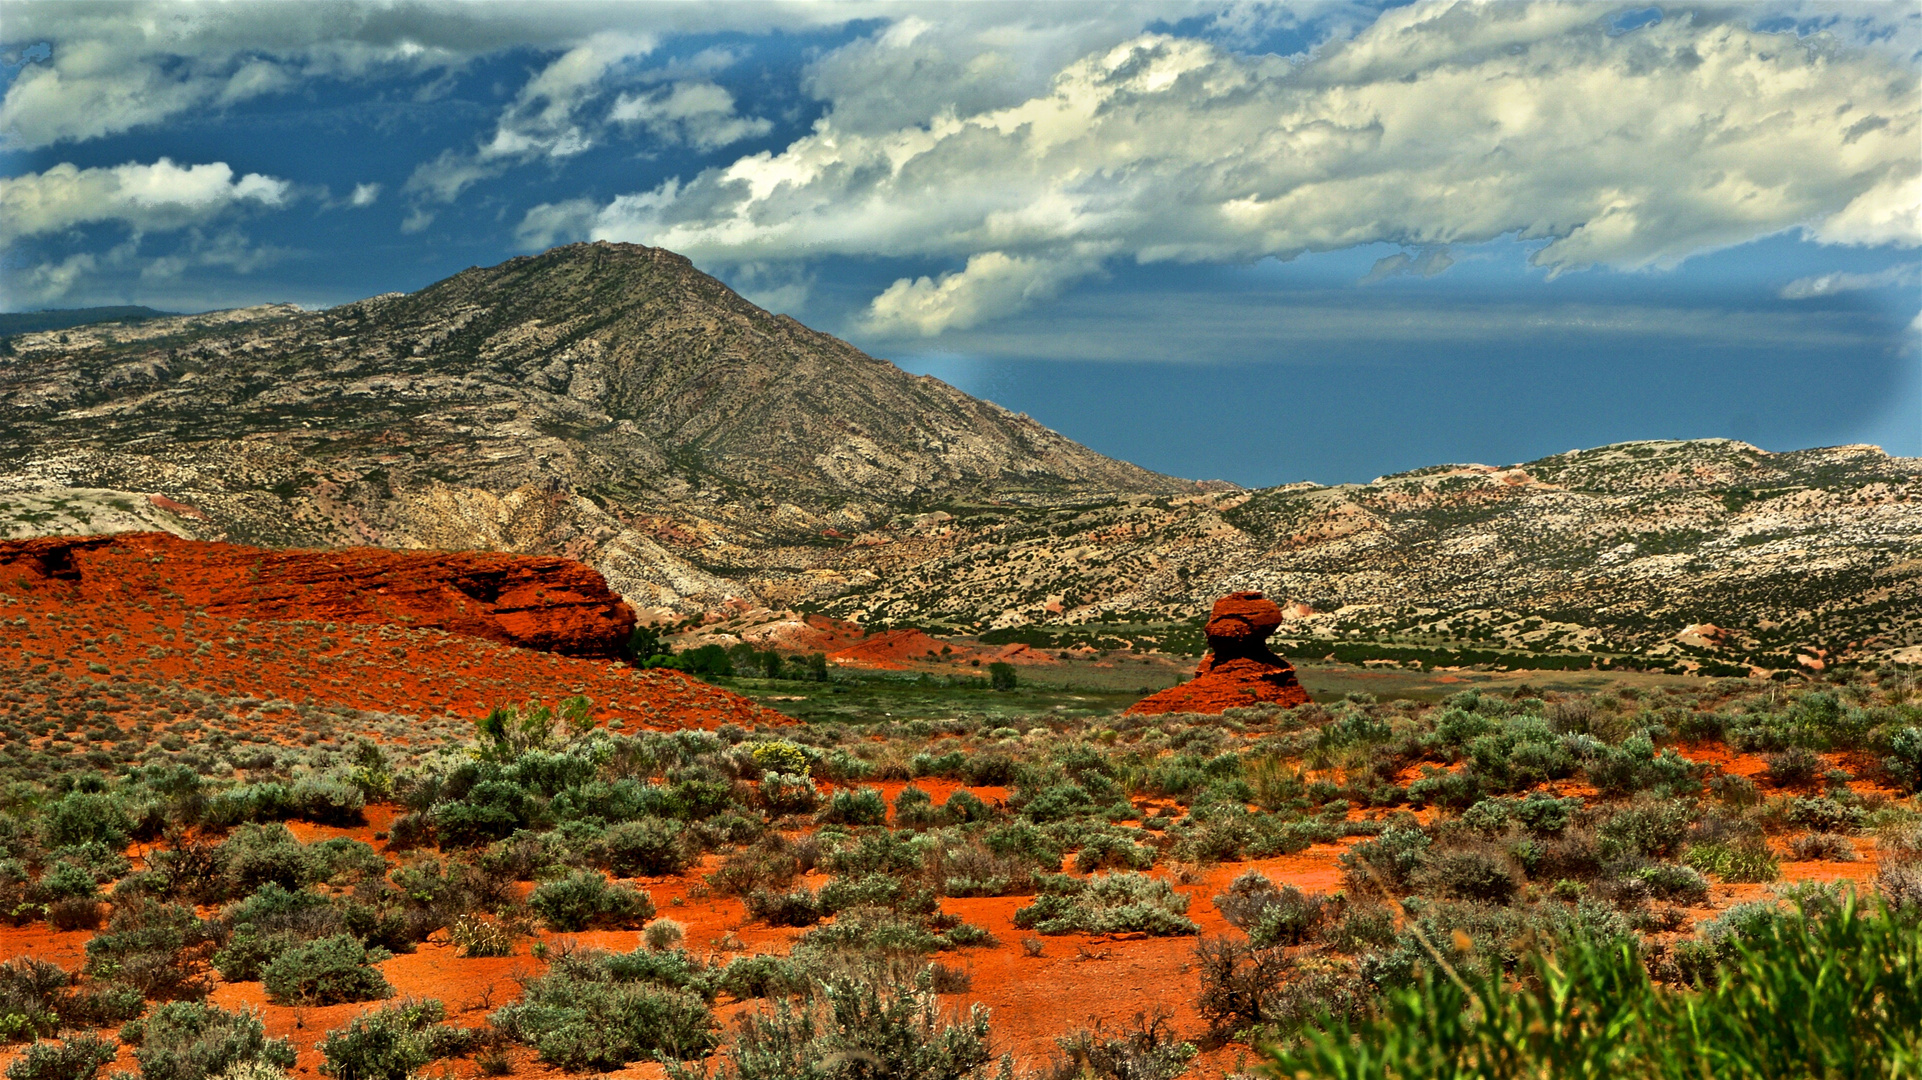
x: 534, y: 602
x: 1239, y: 669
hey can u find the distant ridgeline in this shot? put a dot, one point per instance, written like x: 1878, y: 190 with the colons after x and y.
x: 612, y: 403
x: 33, y: 322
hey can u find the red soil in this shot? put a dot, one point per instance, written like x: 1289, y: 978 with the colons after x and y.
x: 98, y: 612
x: 539, y: 602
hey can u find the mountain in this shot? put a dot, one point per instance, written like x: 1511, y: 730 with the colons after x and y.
x: 611, y: 403
x: 603, y: 401
x: 28, y: 322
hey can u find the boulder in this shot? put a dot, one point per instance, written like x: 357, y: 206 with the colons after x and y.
x: 1239, y: 669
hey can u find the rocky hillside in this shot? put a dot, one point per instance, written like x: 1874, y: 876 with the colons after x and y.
x: 603, y: 401
x: 612, y: 404
x: 1692, y: 551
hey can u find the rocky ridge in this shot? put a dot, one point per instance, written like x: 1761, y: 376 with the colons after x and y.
x: 611, y: 404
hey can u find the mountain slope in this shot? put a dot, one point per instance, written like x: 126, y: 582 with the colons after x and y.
x: 589, y: 401
x: 1710, y: 549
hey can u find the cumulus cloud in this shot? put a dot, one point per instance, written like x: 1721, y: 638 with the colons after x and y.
x: 1438, y: 124
x: 148, y: 198
x: 992, y: 283
x: 700, y: 114
x: 117, y: 67
x: 364, y: 195
x: 1909, y: 274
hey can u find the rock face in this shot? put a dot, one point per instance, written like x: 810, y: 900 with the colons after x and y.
x: 1239, y: 669
x: 535, y: 602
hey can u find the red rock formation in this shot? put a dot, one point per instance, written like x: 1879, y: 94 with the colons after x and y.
x: 1239, y: 669
x: 536, y: 602
x: 419, y: 634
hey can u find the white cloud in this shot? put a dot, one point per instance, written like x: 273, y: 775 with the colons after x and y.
x: 700, y: 114
x: 116, y: 67
x: 365, y: 195
x: 551, y: 223
x: 146, y: 197
x: 1909, y: 274
x: 542, y: 121
x: 33, y: 286
x: 993, y: 283
x: 1439, y: 124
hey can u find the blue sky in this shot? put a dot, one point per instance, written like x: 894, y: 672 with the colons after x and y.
x: 1261, y: 243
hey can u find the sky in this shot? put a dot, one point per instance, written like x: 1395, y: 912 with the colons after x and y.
x: 1260, y: 243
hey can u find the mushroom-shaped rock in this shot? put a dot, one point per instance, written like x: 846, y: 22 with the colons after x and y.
x: 1239, y: 669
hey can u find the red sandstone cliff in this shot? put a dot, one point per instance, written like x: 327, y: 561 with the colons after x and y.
x: 532, y: 601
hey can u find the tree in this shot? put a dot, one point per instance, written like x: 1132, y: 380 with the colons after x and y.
x: 1001, y: 675
x: 645, y: 643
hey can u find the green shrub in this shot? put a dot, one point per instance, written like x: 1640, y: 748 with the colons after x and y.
x: 781, y: 756
x: 1825, y: 815
x: 78, y: 1058
x: 258, y: 854
x: 762, y: 976
x: 579, y: 1016
x: 472, y: 936
x: 1652, y: 828
x: 1268, y: 914
x: 325, y: 972
x: 187, y: 1040
x: 788, y: 793
x: 875, y: 931
x: 800, y: 907
x: 33, y: 998
x: 157, y: 949
x: 1471, y: 875
x: 1795, y: 767
x: 392, y: 1043
x: 1388, y: 862
x: 1667, y: 881
x: 585, y: 898
x: 1742, y: 862
x: 871, y: 1023
x: 861, y: 806
x: 646, y: 848
x: 1106, y: 904
x: 87, y: 817
x: 1148, y: 1050
x: 875, y: 890
x: 1838, y: 996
